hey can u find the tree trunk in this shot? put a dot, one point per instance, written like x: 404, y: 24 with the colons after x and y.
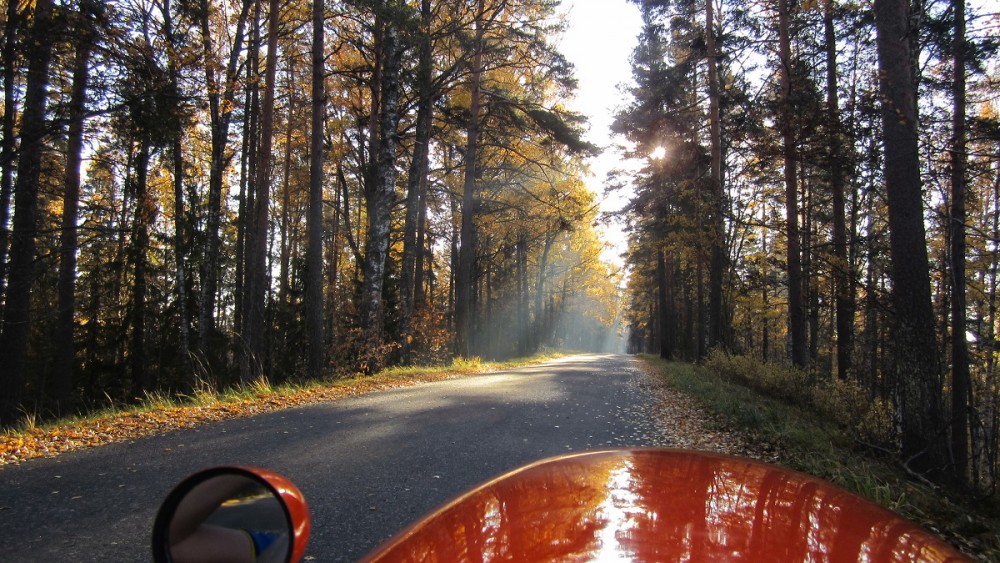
x: 334, y: 265
x: 521, y: 252
x: 765, y: 336
x: 456, y: 222
x: 487, y: 338
x: 716, y: 315
x: 209, y: 274
x: 220, y: 117
x: 144, y: 210
x: 121, y: 256
x: 796, y: 307
x: 248, y: 191
x: 419, y: 295
x: 543, y: 263
x: 841, y: 266
x: 17, y: 314
x: 417, y: 178
x: 8, y: 153
x: 283, y: 311
x: 65, y: 350
x: 464, y: 278
x: 916, y: 366
x: 960, y: 385
x: 314, y: 221
x: 989, y: 410
x: 810, y: 283
x: 258, y: 235
x: 382, y: 190
x: 180, y: 224
x: 666, y: 342
x: 352, y: 241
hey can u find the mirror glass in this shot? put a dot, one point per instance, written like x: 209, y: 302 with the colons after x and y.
x: 229, y: 518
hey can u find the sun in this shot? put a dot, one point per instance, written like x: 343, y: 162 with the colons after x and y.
x: 658, y: 153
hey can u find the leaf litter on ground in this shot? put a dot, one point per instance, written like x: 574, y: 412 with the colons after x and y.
x: 17, y: 446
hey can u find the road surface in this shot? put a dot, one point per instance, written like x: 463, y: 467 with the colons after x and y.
x: 367, y: 465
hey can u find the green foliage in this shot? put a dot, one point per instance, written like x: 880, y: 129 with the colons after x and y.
x: 845, y: 403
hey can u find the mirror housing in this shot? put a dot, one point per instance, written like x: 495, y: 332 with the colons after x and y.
x: 232, y: 514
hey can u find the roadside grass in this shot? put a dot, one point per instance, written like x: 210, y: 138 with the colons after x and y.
x: 799, y: 438
x: 160, y: 412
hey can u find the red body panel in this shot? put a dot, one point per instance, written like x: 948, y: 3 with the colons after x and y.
x: 298, y: 510
x: 661, y: 505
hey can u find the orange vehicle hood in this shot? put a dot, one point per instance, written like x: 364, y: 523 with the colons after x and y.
x: 661, y: 505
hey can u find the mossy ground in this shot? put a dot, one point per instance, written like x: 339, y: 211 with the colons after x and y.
x: 799, y: 438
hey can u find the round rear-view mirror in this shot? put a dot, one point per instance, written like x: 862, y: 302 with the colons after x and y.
x: 232, y: 515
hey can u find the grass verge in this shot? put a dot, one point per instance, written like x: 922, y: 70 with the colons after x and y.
x: 797, y: 438
x: 161, y: 412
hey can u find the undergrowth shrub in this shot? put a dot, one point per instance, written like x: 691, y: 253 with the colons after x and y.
x: 774, y: 380
x: 362, y: 356
x: 431, y: 340
x: 877, y: 425
x: 844, y: 402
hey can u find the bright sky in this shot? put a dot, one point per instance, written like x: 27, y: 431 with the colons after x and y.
x: 599, y: 42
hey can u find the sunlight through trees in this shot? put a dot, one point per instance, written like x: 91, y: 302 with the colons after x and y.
x: 282, y: 189
x: 859, y: 204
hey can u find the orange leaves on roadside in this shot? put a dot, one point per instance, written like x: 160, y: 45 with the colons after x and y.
x: 16, y: 447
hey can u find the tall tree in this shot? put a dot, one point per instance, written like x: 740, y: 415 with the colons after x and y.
x: 716, y: 315
x: 381, y: 192
x: 257, y: 270
x: 467, y: 251
x: 63, y: 360
x: 147, y: 125
x: 796, y: 304
x: 663, y: 306
x: 248, y: 175
x: 417, y: 177
x: 144, y: 211
x: 221, y: 99
x: 8, y: 152
x: 841, y: 267
x: 180, y: 222
x: 17, y: 313
x: 915, y: 364
x: 314, y: 252
x: 960, y: 385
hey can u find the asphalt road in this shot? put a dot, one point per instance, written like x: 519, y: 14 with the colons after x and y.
x: 367, y: 466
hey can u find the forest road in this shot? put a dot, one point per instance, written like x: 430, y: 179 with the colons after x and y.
x: 368, y: 465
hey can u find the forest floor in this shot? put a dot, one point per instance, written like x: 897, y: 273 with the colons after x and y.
x: 739, y: 420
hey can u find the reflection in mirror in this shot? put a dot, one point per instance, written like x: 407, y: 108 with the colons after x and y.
x: 229, y: 519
